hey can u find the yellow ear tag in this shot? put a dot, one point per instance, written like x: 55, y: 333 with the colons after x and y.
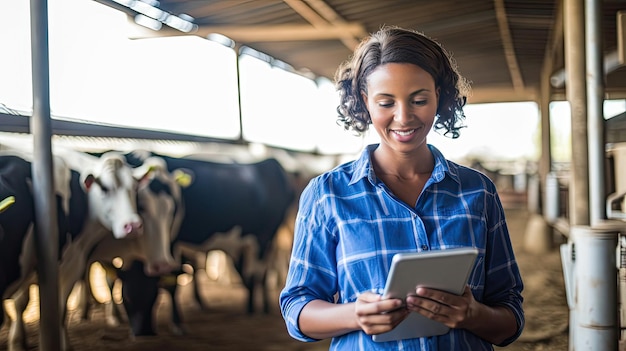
x: 149, y: 173
x: 4, y: 204
x: 151, y: 169
x: 183, y: 179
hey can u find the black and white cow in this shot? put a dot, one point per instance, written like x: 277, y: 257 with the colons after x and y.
x: 161, y: 208
x: 93, y: 202
x: 246, y: 203
x: 15, y: 220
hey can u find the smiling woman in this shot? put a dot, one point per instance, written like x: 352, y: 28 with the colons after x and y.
x: 400, y: 196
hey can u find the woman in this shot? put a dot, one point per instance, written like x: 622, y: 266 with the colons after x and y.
x: 401, y: 195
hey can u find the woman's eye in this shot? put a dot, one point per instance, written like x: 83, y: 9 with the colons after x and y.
x: 385, y: 104
x: 419, y: 102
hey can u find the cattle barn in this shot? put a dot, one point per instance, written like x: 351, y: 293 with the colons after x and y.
x: 512, y: 51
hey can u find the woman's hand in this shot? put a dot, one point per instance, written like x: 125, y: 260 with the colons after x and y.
x: 452, y: 310
x: 375, y: 315
x: 492, y: 323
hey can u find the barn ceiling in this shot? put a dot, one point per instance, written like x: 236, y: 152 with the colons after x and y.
x: 501, y: 46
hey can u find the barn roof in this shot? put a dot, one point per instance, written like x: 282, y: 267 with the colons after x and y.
x: 501, y: 46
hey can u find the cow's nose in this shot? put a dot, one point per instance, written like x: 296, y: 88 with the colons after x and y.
x: 135, y: 228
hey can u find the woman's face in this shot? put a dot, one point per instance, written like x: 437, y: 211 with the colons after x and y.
x: 402, y: 101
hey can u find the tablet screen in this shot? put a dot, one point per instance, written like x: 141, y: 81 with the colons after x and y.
x: 446, y: 270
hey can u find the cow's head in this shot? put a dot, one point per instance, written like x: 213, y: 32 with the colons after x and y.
x: 112, y: 192
x: 161, y: 208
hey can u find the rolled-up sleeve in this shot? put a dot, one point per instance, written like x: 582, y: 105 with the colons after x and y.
x: 312, y: 268
x: 504, y: 283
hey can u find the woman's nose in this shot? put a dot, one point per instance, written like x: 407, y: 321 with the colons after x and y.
x: 403, y: 112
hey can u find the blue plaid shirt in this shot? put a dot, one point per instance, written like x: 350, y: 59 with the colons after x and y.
x: 349, y: 226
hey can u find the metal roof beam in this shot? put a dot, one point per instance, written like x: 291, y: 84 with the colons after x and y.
x: 333, y: 17
x: 260, y: 33
x: 509, y: 48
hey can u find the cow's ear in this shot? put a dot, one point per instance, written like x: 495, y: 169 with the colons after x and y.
x: 88, y: 181
x: 184, y: 177
x: 149, y: 169
x: 143, y: 178
x: 143, y: 174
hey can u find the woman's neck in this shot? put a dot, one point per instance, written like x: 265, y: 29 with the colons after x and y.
x: 403, y: 166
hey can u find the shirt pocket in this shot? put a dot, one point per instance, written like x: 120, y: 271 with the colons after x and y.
x: 366, y: 248
x: 457, y: 227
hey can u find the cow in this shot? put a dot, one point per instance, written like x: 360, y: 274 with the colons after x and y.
x: 139, y: 290
x: 15, y: 173
x: 161, y: 209
x: 246, y: 203
x: 93, y: 201
x: 17, y: 219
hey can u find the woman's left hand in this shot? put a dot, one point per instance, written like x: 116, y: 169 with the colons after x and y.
x: 452, y: 310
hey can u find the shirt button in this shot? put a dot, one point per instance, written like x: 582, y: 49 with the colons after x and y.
x: 424, y: 247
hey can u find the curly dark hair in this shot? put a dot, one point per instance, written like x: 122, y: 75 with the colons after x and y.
x: 397, y: 45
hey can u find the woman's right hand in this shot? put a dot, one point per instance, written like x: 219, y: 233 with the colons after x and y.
x: 375, y: 315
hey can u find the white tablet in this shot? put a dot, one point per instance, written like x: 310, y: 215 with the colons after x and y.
x: 446, y: 270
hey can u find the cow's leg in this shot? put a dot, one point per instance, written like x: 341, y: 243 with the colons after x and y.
x: 21, y: 296
x: 64, y: 293
x: 169, y: 283
x: 17, y: 330
x: 189, y: 254
x: 248, y: 279
x: 71, y: 270
x: 199, y: 268
x: 4, y: 317
x: 259, y: 282
x: 85, y: 302
x: 111, y: 311
x: 139, y: 294
x: 87, y: 299
x: 112, y: 314
x: 267, y: 293
x: 251, y: 296
x: 252, y: 270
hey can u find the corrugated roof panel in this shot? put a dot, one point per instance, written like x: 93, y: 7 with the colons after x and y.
x: 468, y: 29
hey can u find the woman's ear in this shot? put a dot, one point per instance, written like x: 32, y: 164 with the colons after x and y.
x: 364, y: 97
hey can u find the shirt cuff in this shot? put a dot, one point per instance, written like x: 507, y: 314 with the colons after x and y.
x: 519, y: 318
x: 292, y: 315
